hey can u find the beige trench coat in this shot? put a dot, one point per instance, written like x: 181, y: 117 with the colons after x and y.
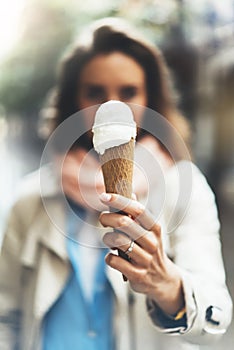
x: 34, y: 268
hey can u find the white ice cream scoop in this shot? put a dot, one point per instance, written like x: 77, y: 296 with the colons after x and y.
x: 113, y: 126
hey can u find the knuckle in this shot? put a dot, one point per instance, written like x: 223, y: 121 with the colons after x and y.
x: 108, y: 239
x: 119, y: 240
x: 140, y: 276
x: 110, y: 260
x: 153, y: 243
x: 143, y: 276
x: 152, y: 238
x: 113, y: 239
x: 139, y: 210
x: 102, y: 218
x: 150, y: 260
x: 124, y: 221
x: 156, y: 229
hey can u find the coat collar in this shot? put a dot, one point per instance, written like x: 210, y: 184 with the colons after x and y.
x: 44, y: 230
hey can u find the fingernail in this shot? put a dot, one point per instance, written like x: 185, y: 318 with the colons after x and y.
x: 105, y: 197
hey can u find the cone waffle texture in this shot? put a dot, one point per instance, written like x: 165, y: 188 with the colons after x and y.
x: 117, y: 168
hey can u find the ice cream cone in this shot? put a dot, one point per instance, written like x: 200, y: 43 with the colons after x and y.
x: 117, y: 168
x: 114, y: 140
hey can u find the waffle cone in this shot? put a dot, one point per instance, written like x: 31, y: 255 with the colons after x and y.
x: 117, y: 168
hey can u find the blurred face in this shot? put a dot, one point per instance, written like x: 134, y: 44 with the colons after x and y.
x: 113, y: 76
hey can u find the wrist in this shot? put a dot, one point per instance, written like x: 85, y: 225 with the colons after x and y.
x: 180, y: 314
x: 163, y: 320
x: 169, y: 297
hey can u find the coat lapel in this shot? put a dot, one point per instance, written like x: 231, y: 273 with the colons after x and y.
x: 45, y: 253
x: 120, y: 289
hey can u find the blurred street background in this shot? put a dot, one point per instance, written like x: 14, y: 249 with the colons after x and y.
x: 197, y: 39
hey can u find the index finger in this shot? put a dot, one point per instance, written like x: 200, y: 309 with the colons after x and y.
x: 131, y: 207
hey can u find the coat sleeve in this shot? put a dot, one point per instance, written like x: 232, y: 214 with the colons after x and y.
x: 195, y: 248
x: 10, y: 282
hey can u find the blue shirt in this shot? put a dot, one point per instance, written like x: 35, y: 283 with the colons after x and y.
x: 73, y: 323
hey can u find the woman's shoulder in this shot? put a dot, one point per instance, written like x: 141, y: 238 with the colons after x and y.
x: 183, y: 192
x: 188, y: 194
x: 32, y: 189
x: 186, y: 183
x: 42, y: 182
x: 187, y: 175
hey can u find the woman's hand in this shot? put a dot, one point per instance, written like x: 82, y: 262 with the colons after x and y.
x: 150, y: 271
x: 82, y: 179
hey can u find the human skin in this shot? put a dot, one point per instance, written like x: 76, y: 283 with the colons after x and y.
x: 113, y: 76
x: 150, y: 271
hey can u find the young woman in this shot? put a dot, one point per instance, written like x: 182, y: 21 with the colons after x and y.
x: 56, y: 290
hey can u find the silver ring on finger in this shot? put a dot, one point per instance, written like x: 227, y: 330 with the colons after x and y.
x: 130, y: 248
